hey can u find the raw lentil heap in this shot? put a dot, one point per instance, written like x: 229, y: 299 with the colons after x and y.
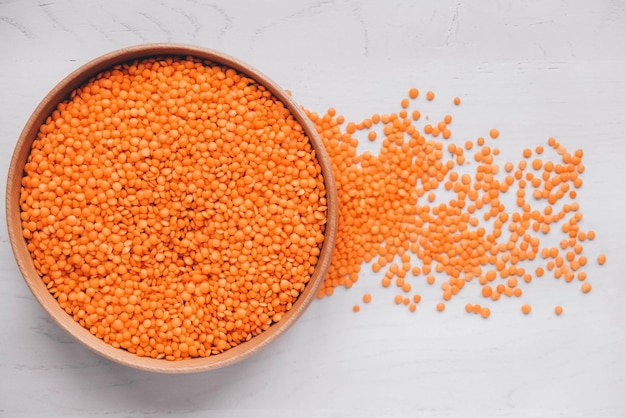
x: 173, y: 207
x: 421, y: 207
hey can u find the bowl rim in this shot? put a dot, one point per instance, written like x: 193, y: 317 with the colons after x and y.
x: 25, y: 262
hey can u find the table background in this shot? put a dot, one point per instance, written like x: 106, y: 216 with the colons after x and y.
x: 532, y: 69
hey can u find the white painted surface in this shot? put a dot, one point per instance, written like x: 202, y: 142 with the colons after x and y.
x: 532, y: 69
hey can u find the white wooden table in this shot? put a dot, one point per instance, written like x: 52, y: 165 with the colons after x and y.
x: 533, y: 70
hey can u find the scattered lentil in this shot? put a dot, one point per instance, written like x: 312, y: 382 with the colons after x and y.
x: 397, y: 204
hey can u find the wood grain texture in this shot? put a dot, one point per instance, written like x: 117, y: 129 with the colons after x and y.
x: 532, y: 69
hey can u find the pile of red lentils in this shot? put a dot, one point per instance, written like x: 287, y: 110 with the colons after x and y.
x: 414, y: 211
x: 176, y: 209
x: 173, y: 207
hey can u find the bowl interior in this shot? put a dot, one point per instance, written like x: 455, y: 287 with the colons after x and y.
x: 38, y: 288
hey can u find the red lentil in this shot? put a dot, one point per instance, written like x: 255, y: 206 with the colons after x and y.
x: 391, y: 206
x: 173, y: 207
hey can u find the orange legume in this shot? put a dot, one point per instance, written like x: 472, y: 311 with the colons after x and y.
x: 178, y: 203
x: 419, y: 201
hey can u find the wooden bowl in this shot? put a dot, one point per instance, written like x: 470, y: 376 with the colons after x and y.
x: 49, y: 303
